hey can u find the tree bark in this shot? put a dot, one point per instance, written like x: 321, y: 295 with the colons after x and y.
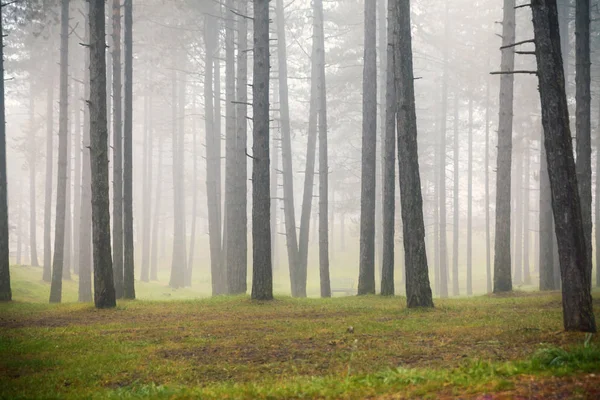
x: 574, y: 258
x: 502, y: 267
x: 5, y: 290
x: 389, y: 156
x: 546, y: 226
x: 76, y: 177
x: 366, y: 278
x: 61, y: 190
x: 262, y: 273
x: 488, y: 263
x: 32, y: 170
x: 104, y: 289
x: 597, y: 213
x: 157, y: 213
x: 526, y: 210
x: 418, y: 290
x: 47, y: 271
x: 147, y: 189
x: 518, y: 217
x: 456, y: 203
x: 470, y: 203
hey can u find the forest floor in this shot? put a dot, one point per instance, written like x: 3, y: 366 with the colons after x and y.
x: 483, y: 347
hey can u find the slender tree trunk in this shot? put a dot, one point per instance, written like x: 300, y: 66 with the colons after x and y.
x: 583, y: 122
x: 546, y: 226
x: 597, y: 213
x: 518, y: 219
x: 380, y: 165
x: 117, y: 131
x: 389, y: 156
x: 418, y: 290
x: 526, y: 211
x: 147, y: 206
x: 157, y: 213
x: 488, y: 255
x: 455, y: 247
x: 32, y: 171
x: 19, y: 226
x: 502, y: 267
x: 196, y: 151
x: 366, y: 278
x: 5, y: 291
x: 68, y: 215
x: 574, y: 258
x: 262, y: 273
x: 286, y: 158
x: 104, y: 289
x: 47, y: 272
x: 76, y: 178
x: 470, y: 203
x: 61, y: 191
x: 85, y: 222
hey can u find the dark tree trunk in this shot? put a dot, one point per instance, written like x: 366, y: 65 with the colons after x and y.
x: 286, y: 158
x: 61, y: 190
x: 574, y: 258
x: 502, y: 267
x: 456, y: 204
x: 470, y: 204
x: 32, y: 197
x: 323, y: 156
x: 104, y: 289
x: 47, y: 272
x: 389, y: 156
x: 366, y: 277
x: 583, y: 121
x: 262, y: 273
x: 5, y: 291
x: 546, y: 226
x: 117, y: 131
x: 418, y: 290
x: 128, y: 250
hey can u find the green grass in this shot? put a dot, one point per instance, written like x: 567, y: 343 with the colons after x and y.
x: 232, y: 347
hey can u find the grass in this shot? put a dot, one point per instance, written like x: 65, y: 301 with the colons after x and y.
x: 231, y: 347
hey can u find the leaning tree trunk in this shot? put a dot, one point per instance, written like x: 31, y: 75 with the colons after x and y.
x: 128, y: 250
x: 583, y: 121
x: 418, y: 290
x: 502, y: 267
x: 47, y: 271
x: 366, y: 277
x: 104, y: 289
x: 32, y: 196
x: 262, y: 273
x: 5, y: 291
x: 574, y: 258
x: 117, y: 214
x: 61, y: 190
x: 389, y: 157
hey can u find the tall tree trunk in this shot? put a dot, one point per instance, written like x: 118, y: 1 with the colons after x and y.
x: 47, y: 272
x: 68, y: 215
x: 61, y: 190
x: 526, y: 211
x: 583, y: 122
x: 19, y: 226
x: 389, y: 156
x: 518, y: 218
x: 286, y: 157
x: 76, y: 177
x: 546, y: 226
x: 5, y: 291
x: 157, y: 213
x: 323, y: 156
x: 597, y: 213
x: 147, y: 189
x: 502, y: 267
x: 455, y: 247
x: 195, y: 152
x: 488, y: 255
x: 418, y: 290
x: 366, y: 278
x: 117, y: 131
x: 380, y: 165
x: 262, y: 273
x: 85, y: 222
x: 128, y: 250
x: 104, y: 289
x: 32, y: 197
x: 470, y: 203
x: 574, y: 258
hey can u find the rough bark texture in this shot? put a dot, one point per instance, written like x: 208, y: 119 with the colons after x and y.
x: 597, y: 213
x: 583, y: 121
x: 128, y: 250
x: 323, y: 160
x: 286, y: 158
x: 262, y: 273
x: 61, y: 189
x: 5, y: 291
x: 117, y: 162
x: 366, y: 277
x: 574, y: 257
x: 47, y: 270
x: 470, y: 204
x: 456, y: 202
x: 546, y: 228
x: 389, y: 160
x: 502, y: 267
x: 418, y: 290
x: 104, y: 289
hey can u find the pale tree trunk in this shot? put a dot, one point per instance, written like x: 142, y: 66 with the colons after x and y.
x: 275, y: 168
x: 578, y: 312
x: 366, y: 277
x: 157, y: 213
x: 518, y: 217
x: 76, y: 177
x: 147, y: 189
x: 104, y: 289
x: 128, y: 250
x: 389, y: 156
x: 455, y: 247
x: 583, y: 122
x: 32, y: 165
x: 68, y: 215
x: 488, y: 255
x: 526, y: 211
x: 262, y: 273
x: 117, y: 162
x: 418, y: 290
x: 380, y: 165
x: 323, y: 156
x: 61, y: 190
x: 5, y: 291
x: 470, y: 203
x: 195, y: 152
x: 597, y: 213
x: 502, y: 267
x: 47, y: 272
